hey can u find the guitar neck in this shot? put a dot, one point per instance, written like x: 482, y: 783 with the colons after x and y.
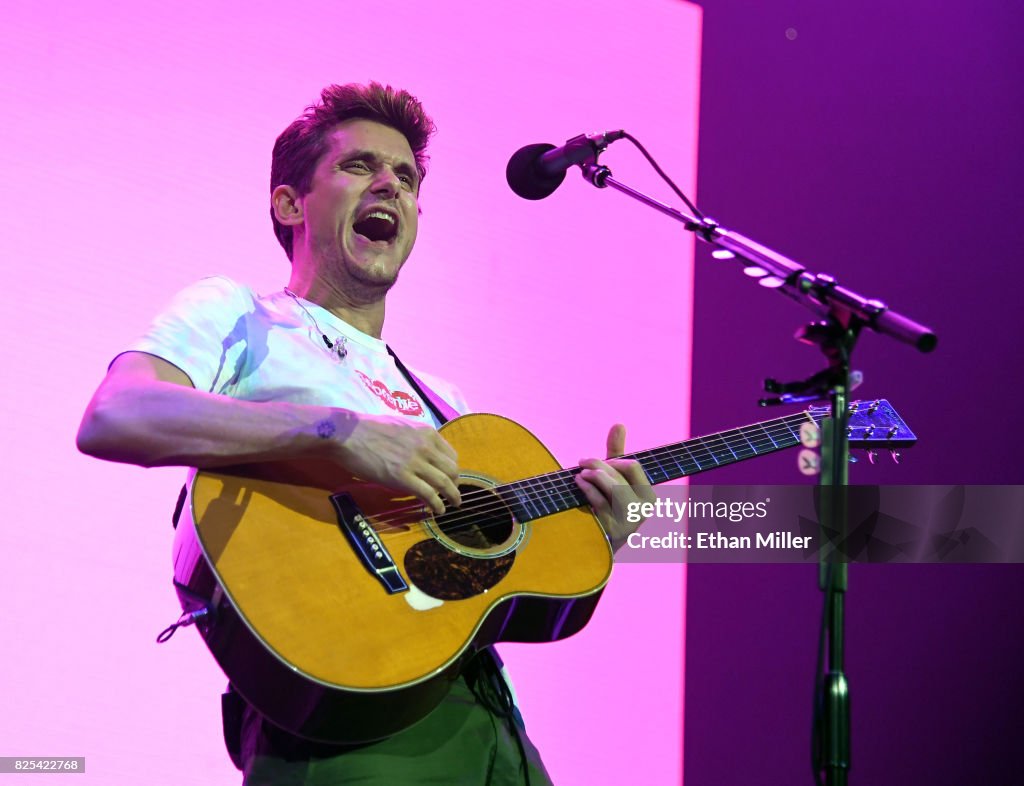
x: 693, y: 456
x: 556, y: 492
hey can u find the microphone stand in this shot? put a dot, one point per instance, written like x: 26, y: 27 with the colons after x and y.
x: 844, y: 314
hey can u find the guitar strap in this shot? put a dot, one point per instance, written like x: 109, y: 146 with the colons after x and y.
x: 441, y: 409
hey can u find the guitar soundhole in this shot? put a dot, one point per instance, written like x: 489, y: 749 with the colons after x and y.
x: 482, y: 522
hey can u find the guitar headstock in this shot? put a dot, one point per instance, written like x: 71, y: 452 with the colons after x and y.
x: 873, y: 425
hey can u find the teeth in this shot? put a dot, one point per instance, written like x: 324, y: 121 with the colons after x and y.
x: 380, y: 214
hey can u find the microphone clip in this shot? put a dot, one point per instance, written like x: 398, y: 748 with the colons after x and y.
x: 596, y: 174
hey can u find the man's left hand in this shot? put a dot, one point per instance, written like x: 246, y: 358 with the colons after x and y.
x: 610, y: 486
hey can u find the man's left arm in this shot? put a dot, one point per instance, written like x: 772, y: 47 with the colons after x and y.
x: 612, y: 485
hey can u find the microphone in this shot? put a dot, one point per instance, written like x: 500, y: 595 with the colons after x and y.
x: 535, y: 171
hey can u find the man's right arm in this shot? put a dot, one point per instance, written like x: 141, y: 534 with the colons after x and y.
x: 147, y: 412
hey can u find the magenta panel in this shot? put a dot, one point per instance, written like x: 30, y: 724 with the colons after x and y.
x: 135, y: 141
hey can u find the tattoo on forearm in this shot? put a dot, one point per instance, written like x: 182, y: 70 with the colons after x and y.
x: 325, y: 429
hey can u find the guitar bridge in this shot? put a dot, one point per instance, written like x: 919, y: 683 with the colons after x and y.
x: 367, y: 544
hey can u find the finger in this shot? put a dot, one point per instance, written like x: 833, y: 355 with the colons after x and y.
x: 445, y: 464
x: 616, y: 443
x: 604, y: 468
x: 426, y: 494
x: 443, y: 484
x: 631, y: 471
x: 621, y: 472
x: 604, y: 478
x: 595, y: 498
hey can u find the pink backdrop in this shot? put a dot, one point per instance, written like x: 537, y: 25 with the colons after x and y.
x: 135, y: 146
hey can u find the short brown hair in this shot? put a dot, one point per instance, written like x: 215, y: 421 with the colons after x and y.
x: 299, y: 147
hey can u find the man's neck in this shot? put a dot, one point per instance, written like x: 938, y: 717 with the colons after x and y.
x: 367, y: 317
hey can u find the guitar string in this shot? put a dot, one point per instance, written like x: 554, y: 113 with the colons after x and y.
x: 561, y: 482
x: 544, y: 487
x: 537, y: 488
x: 667, y: 453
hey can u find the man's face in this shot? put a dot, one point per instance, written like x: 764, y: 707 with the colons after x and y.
x: 360, y: 216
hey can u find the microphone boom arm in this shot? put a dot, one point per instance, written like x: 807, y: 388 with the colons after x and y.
x: 820, y: 293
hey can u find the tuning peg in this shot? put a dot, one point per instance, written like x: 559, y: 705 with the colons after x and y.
x: 872, y: 455
x: 895, y: 456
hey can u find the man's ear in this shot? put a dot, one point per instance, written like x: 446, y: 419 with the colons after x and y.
x: 287, y: 206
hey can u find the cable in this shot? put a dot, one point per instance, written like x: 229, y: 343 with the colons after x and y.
x: 664, y: 177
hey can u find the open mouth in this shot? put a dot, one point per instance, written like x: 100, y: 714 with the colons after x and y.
x: 377, y: 225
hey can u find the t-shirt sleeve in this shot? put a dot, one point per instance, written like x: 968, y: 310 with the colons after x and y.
x: 201, y: 331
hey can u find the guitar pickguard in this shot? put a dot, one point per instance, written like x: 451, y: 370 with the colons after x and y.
x: 443, y: 574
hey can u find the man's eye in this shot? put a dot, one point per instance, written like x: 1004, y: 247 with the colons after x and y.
x: 357, y: 165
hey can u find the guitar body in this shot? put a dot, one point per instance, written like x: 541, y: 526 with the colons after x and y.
x: 342, y: 611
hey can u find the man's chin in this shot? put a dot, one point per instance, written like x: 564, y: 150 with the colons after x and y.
x: 374, y: 276
x: 367, y: 274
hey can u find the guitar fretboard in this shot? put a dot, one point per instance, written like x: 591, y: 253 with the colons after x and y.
x: 555, y: 492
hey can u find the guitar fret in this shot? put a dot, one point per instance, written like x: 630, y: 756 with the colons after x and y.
x: 514, y: 495
x: 680, y: 465
x: 540, y: 496
x: 743, y: 433
x: 543, y: 490
x: 699, y: 443
x: 758, y: 440
x: 545, y: 495
x: 550, y: 488
x: 569, y: 495
x: 767, y: 434
x: 722, y: 456
x: 692, y: 459
x: 566, y: 486
x: 717, y: 455
x: 794, y: 433
x: 574, y: 497
x: 743, y: 451
x: 652, y: 467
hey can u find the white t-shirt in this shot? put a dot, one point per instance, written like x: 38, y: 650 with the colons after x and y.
x: 229, y: 340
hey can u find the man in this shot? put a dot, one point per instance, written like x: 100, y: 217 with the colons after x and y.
x: 227, y: 377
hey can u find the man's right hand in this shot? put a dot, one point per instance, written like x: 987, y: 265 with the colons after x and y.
x: 394, y: 453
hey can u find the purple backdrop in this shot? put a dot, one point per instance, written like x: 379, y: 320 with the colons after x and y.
x: 878, y: 142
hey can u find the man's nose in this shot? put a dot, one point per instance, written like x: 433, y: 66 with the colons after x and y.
x: 386, y: 183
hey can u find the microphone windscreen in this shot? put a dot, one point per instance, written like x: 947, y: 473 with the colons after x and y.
x: 523, y: 177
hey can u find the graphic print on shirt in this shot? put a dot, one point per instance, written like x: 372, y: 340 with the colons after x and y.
x: 396, y: 400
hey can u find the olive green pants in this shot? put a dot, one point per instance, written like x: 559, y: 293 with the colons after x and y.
x: 461, y: 743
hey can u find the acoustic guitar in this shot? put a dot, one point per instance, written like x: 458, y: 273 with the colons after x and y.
x: 342, y: 611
